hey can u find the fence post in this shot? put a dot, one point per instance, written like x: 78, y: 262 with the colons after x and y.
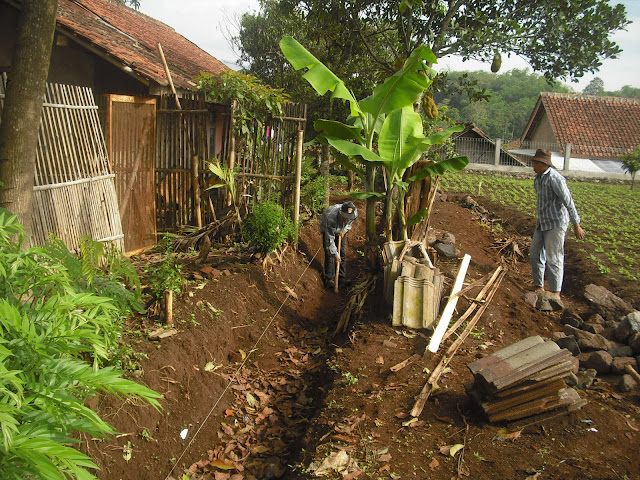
x: 496, y: 160
x: 567, y: 155
x: 296, y: 208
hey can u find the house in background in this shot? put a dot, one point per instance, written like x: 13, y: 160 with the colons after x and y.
x: 598, y: 130
x: 151, y: 140
x: 472, y: 142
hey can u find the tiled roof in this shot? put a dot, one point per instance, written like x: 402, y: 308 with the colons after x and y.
x: 130, y: 37
x: 595, y: 126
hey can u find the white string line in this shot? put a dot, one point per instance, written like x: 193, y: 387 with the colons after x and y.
x: 237, y: 373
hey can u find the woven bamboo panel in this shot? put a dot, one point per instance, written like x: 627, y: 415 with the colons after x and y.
x: 74, y: 193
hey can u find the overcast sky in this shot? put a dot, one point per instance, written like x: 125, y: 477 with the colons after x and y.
x: 208, y: 24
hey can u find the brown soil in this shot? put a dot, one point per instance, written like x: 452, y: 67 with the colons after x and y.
x: 263, y: 387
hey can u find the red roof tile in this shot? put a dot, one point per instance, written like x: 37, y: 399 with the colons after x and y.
x: 132, y: 38
x: 596, y: 126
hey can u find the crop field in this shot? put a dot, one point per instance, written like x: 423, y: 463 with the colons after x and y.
x: 610, y: 215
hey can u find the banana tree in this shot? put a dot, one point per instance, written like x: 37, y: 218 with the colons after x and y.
x: 382, y: 130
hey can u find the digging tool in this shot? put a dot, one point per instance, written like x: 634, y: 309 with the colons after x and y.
x: 335, y: 283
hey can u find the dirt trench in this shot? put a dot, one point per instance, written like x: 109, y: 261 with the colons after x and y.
x: 265, y: 390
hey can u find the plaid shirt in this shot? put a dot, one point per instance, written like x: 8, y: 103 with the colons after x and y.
x: 555, y: 204
x: 332, y: 224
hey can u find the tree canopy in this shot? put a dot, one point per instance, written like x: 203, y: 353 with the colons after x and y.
x: 560, y: 39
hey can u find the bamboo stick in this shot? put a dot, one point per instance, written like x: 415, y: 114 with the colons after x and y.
x: 440, y: 330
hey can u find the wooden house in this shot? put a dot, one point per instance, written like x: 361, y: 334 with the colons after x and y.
x: 153, y: 142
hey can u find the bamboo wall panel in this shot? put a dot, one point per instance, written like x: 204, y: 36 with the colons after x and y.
x: 181, y: 140
x: 74, y: 192
x: 131, y: 139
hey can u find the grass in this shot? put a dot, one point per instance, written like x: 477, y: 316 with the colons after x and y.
x: 609, y: 215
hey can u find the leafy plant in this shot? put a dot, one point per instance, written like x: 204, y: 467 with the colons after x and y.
x: 267, y: 227
x: 253, y: 99
x: 631, y: 163
x: 49, y: 328
x: 227, y: 178
x: 167, y: 275
x: 383, y: 129
x: 314, y: 187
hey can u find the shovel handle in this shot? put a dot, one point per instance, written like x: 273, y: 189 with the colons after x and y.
x: 335, y: 283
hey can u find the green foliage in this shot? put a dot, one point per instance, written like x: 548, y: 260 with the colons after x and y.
x: 313, y: 188
x: 49, y: 326
x: 631, y: 163
x: 254, y: 100
x: 166, y: 274
x: 268, y: 227
x: 383, y: 128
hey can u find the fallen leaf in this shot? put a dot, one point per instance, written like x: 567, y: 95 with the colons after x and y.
x: 127, y: 451
x: 251, y: 400
x: 533, y: 477
x: 223, y: 464
x: 380, y: 360
x: 385, y: 458
x: 401, y: 415
x: 455, y: 449
x: 229, y: 413
x: 409, y: 422
x: 433, y: 464
x: 504, y: 434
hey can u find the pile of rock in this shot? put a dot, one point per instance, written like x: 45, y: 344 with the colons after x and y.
x: 606, y: 340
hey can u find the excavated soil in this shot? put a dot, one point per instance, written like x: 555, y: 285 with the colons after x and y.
x: 260, y: 387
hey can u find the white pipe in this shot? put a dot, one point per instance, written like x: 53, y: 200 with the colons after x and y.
x: 443, y: 324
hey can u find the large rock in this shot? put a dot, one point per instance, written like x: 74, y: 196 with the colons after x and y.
x: 610, y: 306
x: 628, y: 326
x: 586, y: 378
x: 600, y: 361
x: 634, y: 343
x: 587, y: 341
x: 445, y: 250
x: 627, y: 383
x: 618, y: 364
x: 571, y: 317
x: 569, y: 342
x: 622, y: 351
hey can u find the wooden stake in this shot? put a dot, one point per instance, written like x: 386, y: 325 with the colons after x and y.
x: 631, y: 371
x: 335, y: 283
x: 196, y: 190
x: 168, y: 302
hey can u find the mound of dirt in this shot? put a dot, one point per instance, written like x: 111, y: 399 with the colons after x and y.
x: 256, y: 385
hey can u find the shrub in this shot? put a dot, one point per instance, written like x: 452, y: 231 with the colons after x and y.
x: 167, y: 275
x: 267, y: 227
x: 50, y: 325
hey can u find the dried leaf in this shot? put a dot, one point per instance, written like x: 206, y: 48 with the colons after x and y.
x: 251, y: 400
x: 401, y: 415
x: 127, y: 451
x: 504, y: 434
x: 380, y: 360
x: 229, y: 413
x: 223, y: 464
x: 455, y: 449
x: 409, y: 422
x: 259, y: 449
x: 385, y: 458
x: 533, y: 477
x: 433, y: 464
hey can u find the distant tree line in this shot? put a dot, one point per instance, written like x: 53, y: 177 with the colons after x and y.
x: 504, y: 109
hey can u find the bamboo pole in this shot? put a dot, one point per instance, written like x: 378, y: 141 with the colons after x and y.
x: 168, y: 301
x: 296, y: 201
x: 196, y: 190
x: 335, y: 283
x: 440, y: 330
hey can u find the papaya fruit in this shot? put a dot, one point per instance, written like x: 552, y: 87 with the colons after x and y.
x: 429, y: 105
x: 399, y: 63
x: 496, y: 63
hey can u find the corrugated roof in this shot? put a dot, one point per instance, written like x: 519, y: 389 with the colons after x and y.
x: 132, y: 37
x: 596, y: 126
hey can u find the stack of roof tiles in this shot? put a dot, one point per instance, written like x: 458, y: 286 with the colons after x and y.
x: 523, y: 379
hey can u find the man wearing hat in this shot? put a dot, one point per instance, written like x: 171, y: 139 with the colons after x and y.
x: 555, y: 210
x: 335, y: 222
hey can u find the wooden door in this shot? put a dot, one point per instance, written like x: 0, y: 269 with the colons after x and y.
x: 130, y: 137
